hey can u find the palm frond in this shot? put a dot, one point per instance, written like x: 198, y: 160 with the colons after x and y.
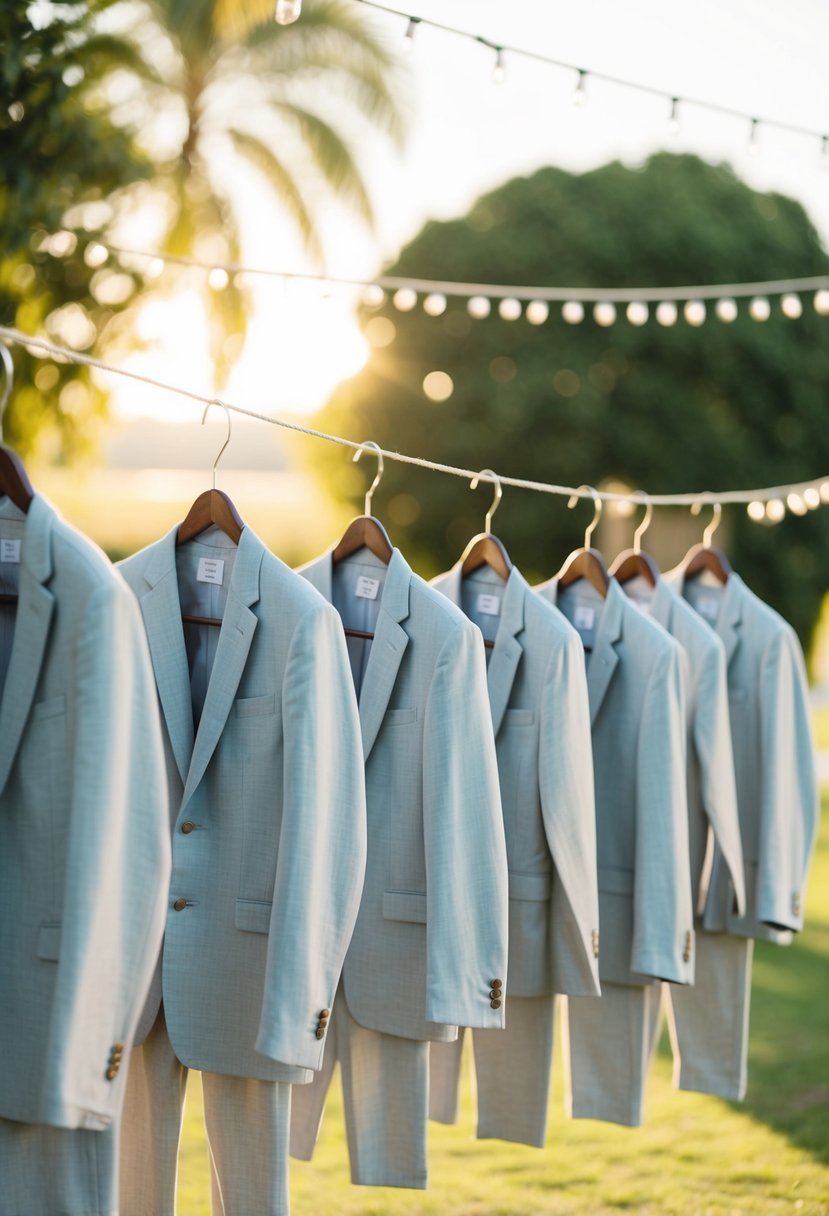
x: 281, y: 181
x: 332, y: 157
x: 101, y: 54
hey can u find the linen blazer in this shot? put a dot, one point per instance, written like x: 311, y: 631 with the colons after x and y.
x: 541, y: 721
x: 84, y: 846
x: 431, y: 934
x: 712, y: 791
x: 774, y: 762
x: 267, y: 809
x: 635, y: 688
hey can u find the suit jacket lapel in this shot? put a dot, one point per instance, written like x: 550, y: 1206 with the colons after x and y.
x: 161, y: 609
x: 31, y: 631
x: 235, y: 637
x: 387, y: 650
x: 507, y: 651
x: 602, y: 662
x: 728, y: 622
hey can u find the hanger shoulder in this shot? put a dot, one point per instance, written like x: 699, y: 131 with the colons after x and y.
x: 14, y: 481
x: 364, y: 532
x: 587, y: 564
x: 486, y: 550
x: 211, y: 507
x: 706, y: 557
x: 630, y: 564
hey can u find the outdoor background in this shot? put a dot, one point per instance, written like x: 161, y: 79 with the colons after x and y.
x: 336, y: 147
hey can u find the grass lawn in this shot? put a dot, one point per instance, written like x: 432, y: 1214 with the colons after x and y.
x: 695, y: 1155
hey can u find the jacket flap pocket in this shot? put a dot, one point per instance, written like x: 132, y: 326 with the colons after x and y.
x: 530, y: 886
x: 246, y: 707
x: 399, y: 717
x: 49, y: 709
x: 404, y: 905
x: 253, y: 915
x: 48, y: 941
x: 519, y: 717
x: 615, y: 881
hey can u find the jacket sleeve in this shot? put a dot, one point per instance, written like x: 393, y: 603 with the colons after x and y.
x: 117, y: 868
x: 466, y: 857
x: 569, y: 810
x: 322, y: 842
x: 663, y: 932
x: 789, y: 798
x: 712, y: 742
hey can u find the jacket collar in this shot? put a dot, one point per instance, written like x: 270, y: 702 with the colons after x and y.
x: 602, y: 662
x: 727, y: 625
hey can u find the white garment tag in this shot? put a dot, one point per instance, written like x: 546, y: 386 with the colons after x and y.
x: 708, y: 607
x: 211, y: 570
x: 367, y: 588
x: 10, y: 551
x: 584, y: 617
x: 489, y: 605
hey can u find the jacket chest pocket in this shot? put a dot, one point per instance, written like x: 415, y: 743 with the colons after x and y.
x: 45, y: 784
x: 517, y: 751
x: 257, y: 756
x: 403, y: 795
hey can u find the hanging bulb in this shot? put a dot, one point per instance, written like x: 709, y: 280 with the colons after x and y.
x: 434, y: 305
x: 824, y: 152
x: 791, y: 307
x: 509, y: 309
x: 404, y: 299
x: 695, y: 312
x: 775, y: 510
x: 498, y: 71
x: 408, y: 37
x: 573, y: 312
x: 580, y: 95
x: 796, y: 504
x: 726, y: 310
x: 822, y: 302
x: 287, y: 11
x: 637, y: 312
x: 604, y: 313
x: 373, y: 295
x: 811, y: 497
x: 759, y: 309
x: 753, y: 141
x: 666, y: 313
x: 537, y: 312
x: 478, y: 307
x: 756, y: 511
x: 218, y: 278
x: 674, y: 125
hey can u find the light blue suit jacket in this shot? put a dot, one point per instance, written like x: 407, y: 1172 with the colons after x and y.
x: 774, y: 761
x: 267, y: 805
x: 84, y: 845
x: 637, y: 699
x: 541, y: 720
x: 431, y: 934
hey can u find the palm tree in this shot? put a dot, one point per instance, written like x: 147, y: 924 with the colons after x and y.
x: 274, y: 95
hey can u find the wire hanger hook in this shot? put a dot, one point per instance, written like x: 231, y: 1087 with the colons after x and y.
x: 597, y: 511
x: 496, y: 501
x: 8, y: 364
x: 370, y: 445
x: 714, y: 523
x: 645, y: 524
x: 216, y: 401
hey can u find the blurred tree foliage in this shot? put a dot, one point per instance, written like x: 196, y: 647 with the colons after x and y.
x: 721, y: 406
x: 63, y: 163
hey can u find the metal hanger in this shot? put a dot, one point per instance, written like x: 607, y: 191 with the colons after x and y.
x: 14, y: 481
x: 633, y: 562
x: 486, y: 549
x: 705, y: 556
x: 586, y: 563
x: 365, y: 531
x: 212, y: 507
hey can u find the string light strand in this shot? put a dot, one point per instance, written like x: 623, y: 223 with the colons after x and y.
x: 812, y: 493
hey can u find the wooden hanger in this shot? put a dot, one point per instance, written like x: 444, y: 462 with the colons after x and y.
x: 365, y: 531
x: 14, y: 481
x: 586, y: 563
x: 705, y: 556
x: 486, y: 549
x: 212, y: 508
x: 632, y: 563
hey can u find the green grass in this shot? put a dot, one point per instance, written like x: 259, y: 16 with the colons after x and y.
x: 695, y: 1155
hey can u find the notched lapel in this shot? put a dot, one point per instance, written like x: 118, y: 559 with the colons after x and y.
x: 507, y: 651
x: 604, y: 658
x: 161, y: 609
x: 387, y: 650
x: 728, y: 626
x: 31, y: 630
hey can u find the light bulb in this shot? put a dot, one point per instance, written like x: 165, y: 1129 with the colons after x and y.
x: 218, y: 278
x: 604, y: 313
x: 580, y: 94
x: 637, y: 312
x: 434, y: 304
x: 824, y: 152
x: 478, y: 307
x: 811, y: 497
x: 695, y: 312
x: 796, y: 504
x: 822, y: 302
x: 404, y: 299
x: 373, y: 295
x: 726, y: 310
x: 674, y: 125
x: 775, y: 510
x: 287, y: 11
x: 509, y: 309
x: 824, y: 491
x: 408, y: 37
x: 537, y: 312
x: 756, y: 511
x: 573, y: 312
x: 666, y: 313
x: 791, y: 307
x: 498, y: 71
x: 759, y: 309
x: 753, y: 141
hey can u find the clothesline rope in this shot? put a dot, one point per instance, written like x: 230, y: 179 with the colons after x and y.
x: 765, y: 494
x: 597, y: 295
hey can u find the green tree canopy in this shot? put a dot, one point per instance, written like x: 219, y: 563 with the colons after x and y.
x: 667, y: 409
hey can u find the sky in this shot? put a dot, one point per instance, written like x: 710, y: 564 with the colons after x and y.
x: 468, y: 134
